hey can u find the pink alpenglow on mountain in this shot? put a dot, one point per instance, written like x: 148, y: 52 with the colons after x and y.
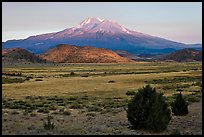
x: 100, y: 33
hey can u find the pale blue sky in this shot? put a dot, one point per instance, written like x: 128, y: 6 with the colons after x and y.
x: 176, y: 21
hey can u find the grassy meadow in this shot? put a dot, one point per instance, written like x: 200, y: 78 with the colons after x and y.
x: 79, y: 96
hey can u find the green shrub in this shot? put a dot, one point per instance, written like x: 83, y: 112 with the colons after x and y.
x: 48, y: 125
x: 25, y: 112
x: 148, y: 110
x: 85, y: 97
x: 43, y: 110
x: 192, y: 98
x: 130, y: 93
x: 179, y: 106
x: 76, y: 106
x: 12, y: 80
x: 94, y: 108
x: 159, y: 115
x: 38, y: 80
x: 28, y: 78
x: 84, y: 76
x: 52, y: 107
x: 111, y: 81
x: 28, y: 110
x: 39, y: 104
x: 72, y: 98
x: 175, y: 132
x: 198, y: 83
x: 65, y: 75
x: 169, y: 100
x: 61, y: 104
x: 72, y: 73
x: 180, y: 90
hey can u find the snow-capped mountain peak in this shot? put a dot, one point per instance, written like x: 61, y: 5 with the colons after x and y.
x: 99, y: 33
x: 95, y: 24
x: 110, y: 26
x: 89, y: 22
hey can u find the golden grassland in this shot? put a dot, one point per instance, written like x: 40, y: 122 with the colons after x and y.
x: 94, y: 85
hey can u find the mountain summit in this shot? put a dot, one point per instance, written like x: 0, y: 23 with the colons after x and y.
x: 100, y: 33
x: 89, y: 22
x: 93, y: 25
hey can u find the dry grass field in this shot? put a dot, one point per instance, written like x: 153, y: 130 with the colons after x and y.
x: 90, y: 98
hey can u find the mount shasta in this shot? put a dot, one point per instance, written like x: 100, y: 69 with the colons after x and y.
x: 101, y: 34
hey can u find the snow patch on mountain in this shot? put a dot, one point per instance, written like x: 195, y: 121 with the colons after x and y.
x: 39, y: 43
x: 95, y: 24
x: 100, y: 19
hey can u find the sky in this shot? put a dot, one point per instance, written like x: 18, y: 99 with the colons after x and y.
x: 177, y: 21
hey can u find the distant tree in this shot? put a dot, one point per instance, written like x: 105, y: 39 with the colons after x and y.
x: 72, y: 73
x: 148, y: 110
x: 179, y: 106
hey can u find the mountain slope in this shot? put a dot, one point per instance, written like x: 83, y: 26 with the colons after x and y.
x: 76, y: 54
x: 183, y: 55
x: 102, y: 34
x: 20, y: 55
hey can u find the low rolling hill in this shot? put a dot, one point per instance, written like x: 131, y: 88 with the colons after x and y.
x: 184, y: 55
x: 16, y: 55
x: 87, y: 54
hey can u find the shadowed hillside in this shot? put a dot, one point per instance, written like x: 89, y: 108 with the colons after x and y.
x: 185, y: 55
x: 20, y: 55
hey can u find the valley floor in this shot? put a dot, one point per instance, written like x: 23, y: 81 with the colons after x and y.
x: 109, y: 123
x: 92, y: 99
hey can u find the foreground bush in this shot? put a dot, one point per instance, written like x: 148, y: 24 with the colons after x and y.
x: 175, y: 132
x: 148, y: 110
x: 48, y: 125
x: 179, y: 106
